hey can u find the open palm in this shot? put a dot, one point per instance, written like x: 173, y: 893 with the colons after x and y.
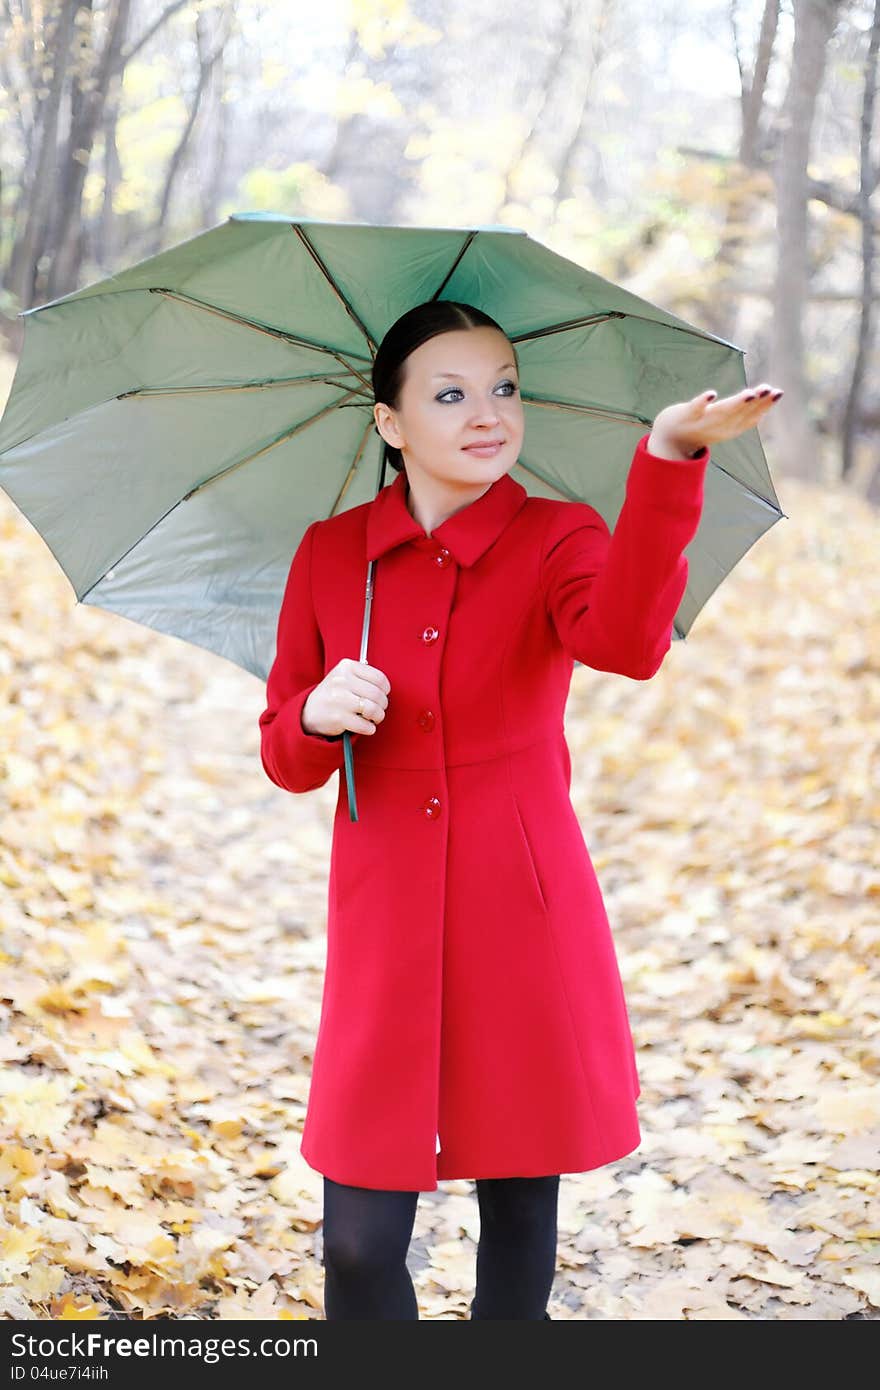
x: 688, y: 425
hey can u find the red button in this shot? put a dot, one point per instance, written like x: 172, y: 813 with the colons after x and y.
x: 442, y: 557
x: 430, y: 635
x: 426, y: 720
x: 431, y: 808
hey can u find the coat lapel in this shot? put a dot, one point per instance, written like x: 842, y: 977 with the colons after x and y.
x: 466, y: 535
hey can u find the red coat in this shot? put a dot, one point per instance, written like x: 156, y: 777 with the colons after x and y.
x: 472, y: 997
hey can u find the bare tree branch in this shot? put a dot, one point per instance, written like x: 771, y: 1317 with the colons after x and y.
x: 206, y: 66
x: 152, y: 29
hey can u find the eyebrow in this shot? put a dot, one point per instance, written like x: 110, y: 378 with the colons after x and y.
x: 459, y: 376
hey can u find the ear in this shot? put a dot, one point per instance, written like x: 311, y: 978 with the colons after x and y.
x: 386, y: 426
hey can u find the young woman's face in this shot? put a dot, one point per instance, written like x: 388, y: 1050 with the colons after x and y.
x: 460, y: 388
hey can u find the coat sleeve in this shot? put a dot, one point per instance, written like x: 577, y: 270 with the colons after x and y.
x: 292, y: 758
x: 613, y: 598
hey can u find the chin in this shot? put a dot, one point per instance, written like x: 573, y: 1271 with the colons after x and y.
x: 479, y: 469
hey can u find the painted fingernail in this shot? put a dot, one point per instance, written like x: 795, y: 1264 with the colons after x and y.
x: 777, y: 394
x: 764, y: 393
x: 751, y: 397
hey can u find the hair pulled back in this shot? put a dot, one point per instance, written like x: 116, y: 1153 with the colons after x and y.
x: 413, y: 328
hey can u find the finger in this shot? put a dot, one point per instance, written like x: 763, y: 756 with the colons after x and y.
x: 364, y: 715
x: 369, y: 702
x: 359, y: 725
x: 373, y: 674
x: 349, y: 690
x: 765, y: 394
x: 744, y: 403
x: 754, y: 404
x: 367, y: 690
x: 764, y: 391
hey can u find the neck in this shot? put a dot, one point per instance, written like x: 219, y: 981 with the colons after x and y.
x: 431, y: 502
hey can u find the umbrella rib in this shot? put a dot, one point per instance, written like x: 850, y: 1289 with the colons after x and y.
x: 750, y: 490
x: 279, y: 439
x: 349, y: 308
x: 604, y: 315
x: 351, y: 472
x: 726, y: 471
x: 622, y: 417
x: 599, y: 317
x: 448, y: 276
x: 542, y: 478
x: 258, y: 327
x: 327, y: 378
x: 640, y: 420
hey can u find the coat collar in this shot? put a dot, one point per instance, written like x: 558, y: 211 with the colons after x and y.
x: 467, y: 534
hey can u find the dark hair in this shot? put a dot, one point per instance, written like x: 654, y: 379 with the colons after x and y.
x: 413, y: 328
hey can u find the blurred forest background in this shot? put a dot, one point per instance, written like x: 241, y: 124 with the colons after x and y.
x: 163, y: 906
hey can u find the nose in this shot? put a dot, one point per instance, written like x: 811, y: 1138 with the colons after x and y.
x: 487, y: 416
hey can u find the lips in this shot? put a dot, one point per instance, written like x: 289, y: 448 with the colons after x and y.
x: 484, y: 444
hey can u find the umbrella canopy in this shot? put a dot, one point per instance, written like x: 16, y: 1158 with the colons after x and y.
x: 172, y: 430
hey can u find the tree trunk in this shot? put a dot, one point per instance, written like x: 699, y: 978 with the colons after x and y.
x: 87, y: 105
x: 601, y: 34
x: 207, y: 61
x: 868, y: 183
x: 22, y: 276
x: 218, y: 130
x: 796, y: 440
x: 745, y: 182
x: 106, y: 232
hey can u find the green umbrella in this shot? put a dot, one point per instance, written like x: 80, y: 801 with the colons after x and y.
x: 172, y: 430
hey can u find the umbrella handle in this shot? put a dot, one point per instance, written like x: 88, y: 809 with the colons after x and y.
x: 346, y: 738
x: 365, y: 631
x: 349, y: 774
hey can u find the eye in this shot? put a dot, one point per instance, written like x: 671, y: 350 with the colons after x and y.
x: 512, y: 384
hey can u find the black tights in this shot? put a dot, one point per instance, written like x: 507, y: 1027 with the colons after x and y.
x: 367, y: 1233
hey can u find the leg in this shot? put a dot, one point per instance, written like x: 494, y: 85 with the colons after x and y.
x: 366, y: 1238
x: 516, y: 1255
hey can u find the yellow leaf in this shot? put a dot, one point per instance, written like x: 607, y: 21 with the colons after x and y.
x: 70, y: 1312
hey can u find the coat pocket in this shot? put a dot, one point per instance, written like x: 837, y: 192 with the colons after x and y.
x: 530, y: 857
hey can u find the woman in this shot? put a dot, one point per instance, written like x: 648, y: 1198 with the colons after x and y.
x: 473, y: 1022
